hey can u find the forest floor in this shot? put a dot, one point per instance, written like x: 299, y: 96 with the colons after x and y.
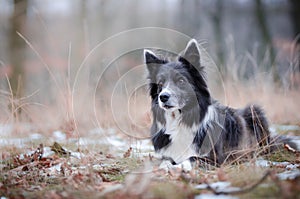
x: 106, y: 165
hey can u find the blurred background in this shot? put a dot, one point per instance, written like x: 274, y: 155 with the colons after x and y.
x: 61, y: 61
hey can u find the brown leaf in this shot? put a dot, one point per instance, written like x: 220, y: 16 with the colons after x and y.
x: 110, y: 156
x: 221, y: 175
x: 53, y: 195
x: 127, y: 153
x: 25, y: 168
x: 290, y: 188
x: 59, y: 150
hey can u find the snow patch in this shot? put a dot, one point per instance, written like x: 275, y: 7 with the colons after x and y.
x: 289, y: 174
x: 59, y: 136
x: 213, y: 196
x: 47, y: 152
x: 35, y: 136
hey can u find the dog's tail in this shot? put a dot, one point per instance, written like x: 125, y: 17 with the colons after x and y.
x: 257, y: 123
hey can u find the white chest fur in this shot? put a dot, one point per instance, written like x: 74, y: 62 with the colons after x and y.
x: 181, y: 147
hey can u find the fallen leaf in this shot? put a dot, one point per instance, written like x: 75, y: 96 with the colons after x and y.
x: 59, y: 150
x: 221, y: 175
x: 127, y: 153
x: 289, y: 148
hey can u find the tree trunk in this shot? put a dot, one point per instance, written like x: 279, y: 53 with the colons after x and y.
x: 17, y: 47
x: 266, y: 38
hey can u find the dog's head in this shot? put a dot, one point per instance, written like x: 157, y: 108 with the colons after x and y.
x: 177, y: 85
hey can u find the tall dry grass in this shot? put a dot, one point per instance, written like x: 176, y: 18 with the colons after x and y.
x: 250, y: 79
x: 76, y: 106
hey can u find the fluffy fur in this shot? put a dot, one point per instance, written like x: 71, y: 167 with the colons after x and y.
x: 188, y: 122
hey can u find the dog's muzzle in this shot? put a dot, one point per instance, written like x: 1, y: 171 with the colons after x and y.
x: 164, y: 97
x: 165, y: 101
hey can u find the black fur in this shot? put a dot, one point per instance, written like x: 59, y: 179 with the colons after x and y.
x: 257, y: 123
x: 199, y: 137
x: 232, y: 132
x: 160, y: 140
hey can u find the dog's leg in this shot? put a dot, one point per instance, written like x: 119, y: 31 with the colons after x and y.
x: 166, y: 165
x: 185, y: 165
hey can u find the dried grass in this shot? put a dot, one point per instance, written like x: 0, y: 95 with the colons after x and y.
x: 72, y: 109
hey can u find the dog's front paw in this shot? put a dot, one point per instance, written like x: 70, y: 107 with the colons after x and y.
x: 185, y: 165
x: 167, y: 165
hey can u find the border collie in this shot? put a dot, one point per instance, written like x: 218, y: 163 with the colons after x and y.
x: 188, y: 123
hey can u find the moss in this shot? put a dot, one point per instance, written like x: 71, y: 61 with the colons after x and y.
x: 118, y: 178
x: 282, y: 156
x: 244, y: 175
x: 171, y: 190
x: 116, y: 171
x: 111, y: 174
x: 129, y: 163
x: 59, y: 191
x: 263, y: 191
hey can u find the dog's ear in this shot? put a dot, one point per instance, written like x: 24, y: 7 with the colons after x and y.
x: 152, y: 61
x: 150, y: 57
x: 191, y: 54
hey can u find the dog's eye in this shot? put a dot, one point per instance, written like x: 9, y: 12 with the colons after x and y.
x: 181, y: 81
x: 160, y: 84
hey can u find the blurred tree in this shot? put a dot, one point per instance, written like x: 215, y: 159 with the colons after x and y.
x: 216, y: 17
x: 17, y: 46
x: 295, y: 16
x: 266, y: 37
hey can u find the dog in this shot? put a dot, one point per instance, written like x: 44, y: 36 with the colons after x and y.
x: 188, y: 123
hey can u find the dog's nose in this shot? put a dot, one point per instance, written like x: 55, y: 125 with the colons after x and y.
x: 164, y: 97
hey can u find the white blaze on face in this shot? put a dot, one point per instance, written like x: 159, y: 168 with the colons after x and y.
x: 172, y: 101
x: 164, y: 91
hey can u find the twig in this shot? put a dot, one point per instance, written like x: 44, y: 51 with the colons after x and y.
x: 241, y: 191
x: 289, y: 148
